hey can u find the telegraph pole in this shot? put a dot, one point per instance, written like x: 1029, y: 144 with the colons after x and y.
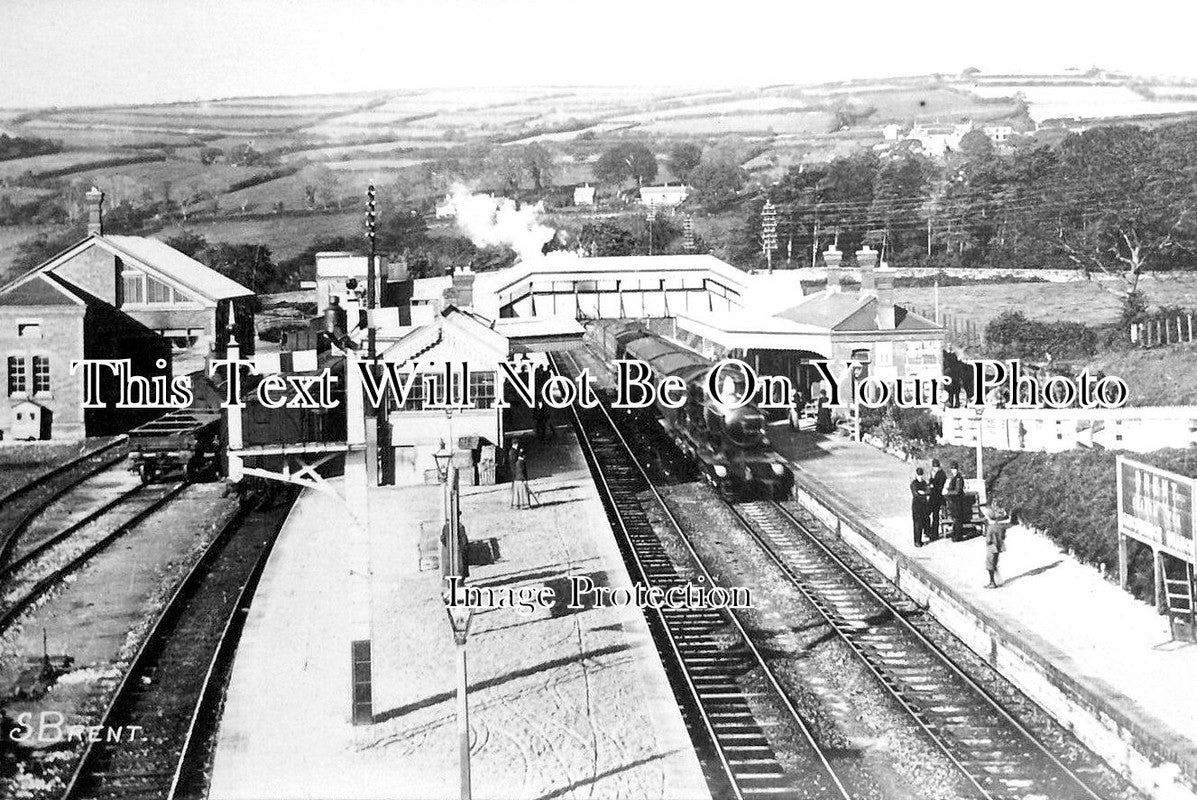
x: 371, y: 274
x: 688, y: 233
x: 649, y: 218
x: 769, y: 232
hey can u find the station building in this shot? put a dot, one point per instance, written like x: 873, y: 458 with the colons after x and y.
x: 863, y: 326
x: 112, y: 297
x: 538, y: 305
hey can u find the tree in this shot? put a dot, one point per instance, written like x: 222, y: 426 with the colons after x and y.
x: 188, y: 243
x: 605, y: 238
x: 627, y: 161
x: 244, y: 155
x: 665, y: 235
x: 402, y: 229
x: 683, y: 159
x: 209, y: 155
x: 1125, y: 203
x: 302, y: 267
x: 248, y: 264
x: 126, y: 218
x: 899, y: 185
x: 39, y: 248
x: 539, y: 163
x: 323, y: 186
x: 506, y: 166
x: 23, y: 147
x: 716, y: 185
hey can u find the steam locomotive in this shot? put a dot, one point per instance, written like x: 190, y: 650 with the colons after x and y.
x: 729, y: 446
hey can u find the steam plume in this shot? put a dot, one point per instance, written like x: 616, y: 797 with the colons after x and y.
x: 491, y: 221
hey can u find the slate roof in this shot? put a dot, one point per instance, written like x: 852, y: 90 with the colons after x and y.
x: 851, y: 311
x: 182, y: 268
x: 41, y: 291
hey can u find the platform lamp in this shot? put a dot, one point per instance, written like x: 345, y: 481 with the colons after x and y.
x: 443, y: 457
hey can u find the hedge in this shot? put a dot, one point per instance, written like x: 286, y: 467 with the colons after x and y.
x: 1012, y: 335
x: 1071, y: 497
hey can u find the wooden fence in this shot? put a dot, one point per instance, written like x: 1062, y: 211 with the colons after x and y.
x: 959, y: 332
x: 1160, y: 331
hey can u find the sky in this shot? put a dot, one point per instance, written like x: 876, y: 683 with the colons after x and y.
x: 94, y: 52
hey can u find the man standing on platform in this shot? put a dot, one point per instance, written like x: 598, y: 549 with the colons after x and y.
x: 957, y: 502
x: 920, y: 499
x: 938, y: 479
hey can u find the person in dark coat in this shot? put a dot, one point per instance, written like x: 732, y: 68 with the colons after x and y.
x: 938, y: 479
x: 920, y: 502
x: 521, y: 497
x: 957, y: 502
x: 463, y: 544
x: 823, y: 422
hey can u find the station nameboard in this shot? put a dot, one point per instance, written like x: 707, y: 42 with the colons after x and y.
x: 1157, y: 507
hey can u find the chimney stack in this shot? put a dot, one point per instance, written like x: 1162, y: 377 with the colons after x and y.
x: 95, y: 213
x: 832, y: 258
x: 461, y: 294
x: 867, y: 259
x: 885, y: 298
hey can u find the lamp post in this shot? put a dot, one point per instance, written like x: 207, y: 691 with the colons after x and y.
x: 459, y: 615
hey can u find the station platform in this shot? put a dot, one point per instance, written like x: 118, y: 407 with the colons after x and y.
x: 1097, y: 658
x: 562, y: 703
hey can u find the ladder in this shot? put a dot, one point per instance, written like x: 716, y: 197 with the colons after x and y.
x: 1179, y: 597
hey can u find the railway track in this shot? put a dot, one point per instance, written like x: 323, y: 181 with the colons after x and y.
x: 967, y: 718
x: 1000, y: 756
x: 20, y: 507
x: 24, y: 583
x: 715, y: 664
x: 170, y: 688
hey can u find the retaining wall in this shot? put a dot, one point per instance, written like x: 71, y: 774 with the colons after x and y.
x: 1141, y: 749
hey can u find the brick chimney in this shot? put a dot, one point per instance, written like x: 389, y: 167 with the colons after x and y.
x: 94, y: 199
x: 462, y: 292
x: 832, y: 258
x: 885, y: 298
x: 866, y: 258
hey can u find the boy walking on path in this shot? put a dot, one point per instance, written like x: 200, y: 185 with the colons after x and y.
x: 997, y: 522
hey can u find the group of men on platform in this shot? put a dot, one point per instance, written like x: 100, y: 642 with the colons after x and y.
x: 930, y: 497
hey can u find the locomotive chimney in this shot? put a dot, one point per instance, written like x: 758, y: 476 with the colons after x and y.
x: 867, y: 259
x: 94, y: 199
x: 832, y: 257
x: 885, y: 298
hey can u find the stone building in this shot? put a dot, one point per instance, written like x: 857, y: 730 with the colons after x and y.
x: 105, y: 297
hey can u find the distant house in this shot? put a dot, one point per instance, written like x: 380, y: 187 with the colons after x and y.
x: 584, y: 195
x: 105, y: 297
x: 937, y: 140
x: 998, y: 134
x: 663, y: 196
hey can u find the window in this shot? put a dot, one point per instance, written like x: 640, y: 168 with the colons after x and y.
x: 17, y: 378
x: 415, y: 397
x: 41, y: 374
x: 482, y: 389
x: 134, y: 286
x: 29, y: 330
x: 157, y: 292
